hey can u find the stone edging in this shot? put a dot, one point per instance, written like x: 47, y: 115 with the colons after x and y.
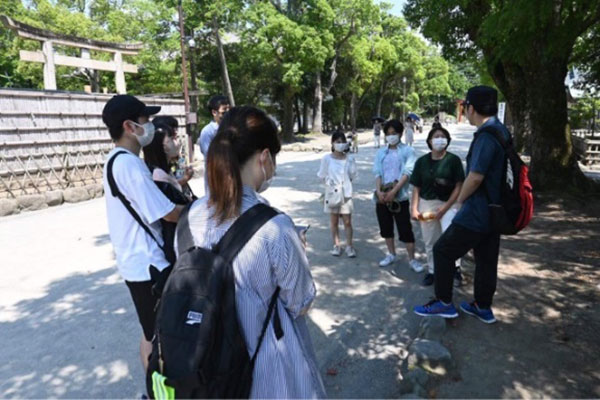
x: 33, y: 202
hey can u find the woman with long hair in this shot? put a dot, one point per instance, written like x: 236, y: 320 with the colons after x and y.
x: 240, y: 165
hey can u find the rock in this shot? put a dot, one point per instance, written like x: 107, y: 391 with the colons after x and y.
x: 432, y: 328
x: 75, y: 195
x: 54, y: 198
x: 296, y: 147
x: 411, y: 396
x: 431, y: 356
x: 32, y: 202
x: 418, y: 376
x: 8, y: 207
x: 95, y: 190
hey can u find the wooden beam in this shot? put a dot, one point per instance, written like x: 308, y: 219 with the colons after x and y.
x: 38, y: 56
x: 42, y: 35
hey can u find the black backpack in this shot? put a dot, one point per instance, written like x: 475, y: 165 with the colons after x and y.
x: 198, y: 350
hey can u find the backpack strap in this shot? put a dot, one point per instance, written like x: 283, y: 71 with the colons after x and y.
x: 114, y: 189
x: 242, y: 230
x: 235, y: 239
x: 185, y: 240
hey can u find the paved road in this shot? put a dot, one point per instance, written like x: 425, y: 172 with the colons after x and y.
x: 68, y: 328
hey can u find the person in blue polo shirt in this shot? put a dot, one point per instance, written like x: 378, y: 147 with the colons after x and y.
x: 471, y: 228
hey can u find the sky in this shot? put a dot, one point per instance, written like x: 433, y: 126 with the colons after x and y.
x: 397, y: 6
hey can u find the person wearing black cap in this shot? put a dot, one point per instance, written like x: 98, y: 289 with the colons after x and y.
x: 471, y: 228
x: 134, y: 208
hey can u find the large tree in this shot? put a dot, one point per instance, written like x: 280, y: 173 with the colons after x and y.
x: 527, y: 46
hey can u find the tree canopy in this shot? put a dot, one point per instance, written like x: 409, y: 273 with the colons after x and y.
x: 313, y: 63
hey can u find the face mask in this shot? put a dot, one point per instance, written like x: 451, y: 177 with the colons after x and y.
x: 171, y: 149
x: 267, y: 182
x: 439, y: 143
x: 148, y: 135
x: 340, y: 147
x: 392, y: 139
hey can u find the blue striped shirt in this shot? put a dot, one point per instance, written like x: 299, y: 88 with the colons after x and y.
x: 285, y: 368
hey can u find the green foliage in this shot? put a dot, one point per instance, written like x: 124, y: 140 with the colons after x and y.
x: 581, y: 114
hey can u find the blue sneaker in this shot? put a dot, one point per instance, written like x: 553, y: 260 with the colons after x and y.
x: 484, y: 314
x: 436, y: 308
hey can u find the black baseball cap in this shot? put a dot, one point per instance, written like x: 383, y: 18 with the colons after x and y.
x: 124, y: 107
x: 482, y: 98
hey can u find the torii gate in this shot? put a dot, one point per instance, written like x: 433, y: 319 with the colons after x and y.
x: 49, y: 58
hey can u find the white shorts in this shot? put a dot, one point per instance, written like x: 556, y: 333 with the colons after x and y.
x: 346, y: 208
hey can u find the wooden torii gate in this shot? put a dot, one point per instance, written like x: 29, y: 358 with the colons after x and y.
x: 50, y: 58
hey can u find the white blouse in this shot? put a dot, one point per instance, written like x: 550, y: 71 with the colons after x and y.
x: 338, y: 172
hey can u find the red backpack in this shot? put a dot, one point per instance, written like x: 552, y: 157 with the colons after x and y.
x: 515, y: 208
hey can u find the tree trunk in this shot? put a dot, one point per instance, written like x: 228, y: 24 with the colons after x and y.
x: 223, y: 61
x: 353, y: 111
x: 317, y: 125
x: 298, y: 114
x: 305, y: 112
x: 380, y: 98
x: 538, y: 102
x: 288, y: 115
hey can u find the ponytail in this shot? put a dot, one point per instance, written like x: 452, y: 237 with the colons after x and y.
x: 224, y: 179
x: 242, y: 132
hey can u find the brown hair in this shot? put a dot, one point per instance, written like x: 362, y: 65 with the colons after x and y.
x: 242, y: 132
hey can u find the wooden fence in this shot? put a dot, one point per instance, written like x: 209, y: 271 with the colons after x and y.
x: 56, y: 140
x: 587, y: 146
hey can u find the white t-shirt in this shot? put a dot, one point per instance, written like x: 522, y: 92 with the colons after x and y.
x: 134, y: 248
x: 391, y: 167
x: 336, y: 172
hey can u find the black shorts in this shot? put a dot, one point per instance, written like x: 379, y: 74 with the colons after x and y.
x: 386, y: 219
x: 145, y: 303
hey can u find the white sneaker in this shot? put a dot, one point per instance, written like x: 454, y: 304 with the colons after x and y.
x: 389, y: 259
x: 415, y: 265
x: 337, y: 250
x: 350, y: 252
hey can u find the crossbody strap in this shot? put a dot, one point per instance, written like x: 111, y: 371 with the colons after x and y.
x: 114, y: 189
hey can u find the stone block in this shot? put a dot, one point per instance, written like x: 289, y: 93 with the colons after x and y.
x: 54, y: 198
x: 430, y: 355
x: 8, y: 207
x: 432, y: 328
x: 95, y: 190
x: 75, y: 195
x: 32, y: 202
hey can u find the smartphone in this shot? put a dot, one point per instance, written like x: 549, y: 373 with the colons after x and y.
x: 301, y: 229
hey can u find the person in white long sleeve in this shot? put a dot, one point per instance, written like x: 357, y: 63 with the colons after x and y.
x: 337, y: 171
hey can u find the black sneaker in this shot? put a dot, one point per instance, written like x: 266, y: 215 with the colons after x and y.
x: 458, y: 277
x: 427, y: 280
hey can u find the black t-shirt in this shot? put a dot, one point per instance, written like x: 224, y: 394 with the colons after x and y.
x: 448, y: 171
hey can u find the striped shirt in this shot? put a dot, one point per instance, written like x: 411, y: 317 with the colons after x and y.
x: 285, y: 368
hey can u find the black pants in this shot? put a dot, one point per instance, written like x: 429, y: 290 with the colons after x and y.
x: 454, y: 243
x: 386, y: 219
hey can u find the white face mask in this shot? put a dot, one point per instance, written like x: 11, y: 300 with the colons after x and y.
x: 392, y: 139
x: 340, y: 147
x: 439, y: 144
x: 267, y: 182
x: 172, y: 149
x: 146, y: 138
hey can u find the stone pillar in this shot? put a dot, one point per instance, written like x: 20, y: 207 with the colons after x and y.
x: 120, y: 74
x: 49, y: 69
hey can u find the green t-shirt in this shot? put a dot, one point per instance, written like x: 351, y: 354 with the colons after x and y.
x: 426, y: 170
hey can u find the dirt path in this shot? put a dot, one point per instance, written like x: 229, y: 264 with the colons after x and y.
x: 68, y: 329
